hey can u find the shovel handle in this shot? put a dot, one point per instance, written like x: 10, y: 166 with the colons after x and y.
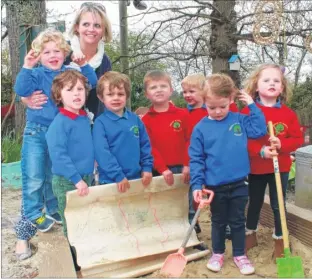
x: 279, y: 190
x: 202, y: 204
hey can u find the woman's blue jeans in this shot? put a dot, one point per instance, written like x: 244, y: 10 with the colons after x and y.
x: 36, y: 173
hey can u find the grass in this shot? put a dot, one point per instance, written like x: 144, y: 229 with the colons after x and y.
x: 11, y: 145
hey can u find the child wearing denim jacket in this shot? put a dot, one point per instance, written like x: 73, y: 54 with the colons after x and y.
x: 219, y: 161
x: 50, y: 49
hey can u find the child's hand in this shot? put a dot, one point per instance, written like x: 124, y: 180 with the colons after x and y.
x: 275, y: 142
x: 269, y: 152
x: 79, y: 58
x: 186, y: 174
x: 146, y: 178
x: 245, y: 98
x: 83, y: 188
x: 31, y: 59
x: 197, y: 195
x: 123, y: 185
x: 168, y: 176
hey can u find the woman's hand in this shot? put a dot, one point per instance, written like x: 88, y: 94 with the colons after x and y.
x: 35, y: 100
x: 186, y: 174
x: 83, y: 188
x: 275, y: 142
x: 146, y: 178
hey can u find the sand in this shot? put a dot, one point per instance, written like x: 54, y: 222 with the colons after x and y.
x: 261, y: 255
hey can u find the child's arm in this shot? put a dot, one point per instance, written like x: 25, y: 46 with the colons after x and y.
x: 105, y: 159
x: 254, y: 123
x: 187, y: 136
x: 86, y: 69
x: 27, y: 80
x: 197, y: 160
x: 146, y: 158
x: 294, y: 138
x: 62, y: 164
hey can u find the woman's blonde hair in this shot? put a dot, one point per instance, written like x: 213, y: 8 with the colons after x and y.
x: 196, y: 80
x: 67, y: 78
x: 50, y: 35
x: 94, y: 8
x: 115, y: 79
x: 250, y: 84
x: 220, y: 85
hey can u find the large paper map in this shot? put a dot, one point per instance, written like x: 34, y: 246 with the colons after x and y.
x: 107, y: 227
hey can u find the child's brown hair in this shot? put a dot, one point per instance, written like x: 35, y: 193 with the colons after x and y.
x: 220, y: 85
x: 50, y: 35
x: 156, y: 75
x: 250, y: 84
x: 196, y: 80
x: 67, y: 78
x: 115, y: 79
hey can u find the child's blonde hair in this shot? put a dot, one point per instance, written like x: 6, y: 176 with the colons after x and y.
x: 196, y: 80
x: 94, y: 8
x: 220, y: 85
x: 114, y: 79
x: 250, y: 84
x: 50, y: 35
x: 67, y: 78
x: 156, y: 75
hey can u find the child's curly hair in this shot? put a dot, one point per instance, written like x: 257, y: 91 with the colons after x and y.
x: 250, y: 84
x: 67, y: 78
x: 50, y: 35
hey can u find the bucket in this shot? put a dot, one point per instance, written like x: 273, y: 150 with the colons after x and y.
x: 303, y: 190
x: 11, y: 176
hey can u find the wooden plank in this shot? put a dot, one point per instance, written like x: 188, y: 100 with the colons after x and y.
x: 137, y: 267
x: 299, y: 220
x: 55, y: 257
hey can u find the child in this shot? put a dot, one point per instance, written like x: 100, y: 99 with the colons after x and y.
x: 193, y: 86
x: 69, y: 139
x: 122, y: 146
x: 269, y: 88
x: 168, y: 129
x: 50, y: 49
x: 219, y: 160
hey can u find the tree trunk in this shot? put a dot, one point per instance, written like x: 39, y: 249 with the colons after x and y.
x: 21, y: 13
x: 223, y: 44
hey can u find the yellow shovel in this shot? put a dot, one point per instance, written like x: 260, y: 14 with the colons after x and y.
x: 289, y: 266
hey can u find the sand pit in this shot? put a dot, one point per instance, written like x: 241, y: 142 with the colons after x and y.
x: 260, y: 256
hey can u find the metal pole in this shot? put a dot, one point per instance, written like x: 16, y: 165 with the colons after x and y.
x: 124, y: 41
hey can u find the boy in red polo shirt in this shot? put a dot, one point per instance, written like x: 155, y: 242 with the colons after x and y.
x: 168, y: 130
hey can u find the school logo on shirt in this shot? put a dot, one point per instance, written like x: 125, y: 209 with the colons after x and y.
x: 135, y: 130
x: 236, y: 128
x: 176, y: 125
x: 280, y: 129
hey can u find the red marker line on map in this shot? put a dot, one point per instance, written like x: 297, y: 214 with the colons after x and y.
x: 128, y: 226
x: 157, y: 220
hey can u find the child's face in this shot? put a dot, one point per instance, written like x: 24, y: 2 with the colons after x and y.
x: 218, y: 107
x: 158, y: 91
x: 269, y: 85
x: 115, y: 98
x: 193, y: 96
x: 52, y: 56
x: 73, y: 97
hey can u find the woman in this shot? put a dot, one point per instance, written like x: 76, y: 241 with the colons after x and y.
x: 90, y: 29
